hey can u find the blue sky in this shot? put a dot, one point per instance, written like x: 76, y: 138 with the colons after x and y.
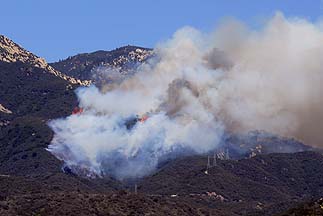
x: 58, y: 29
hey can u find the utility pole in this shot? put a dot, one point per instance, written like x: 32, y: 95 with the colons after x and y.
x: 135, y: 188
x: 214, y: 159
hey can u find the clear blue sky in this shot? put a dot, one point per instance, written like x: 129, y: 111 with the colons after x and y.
x: 61, y: 28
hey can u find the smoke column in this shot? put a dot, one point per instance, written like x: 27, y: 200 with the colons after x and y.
x: 196, y: 86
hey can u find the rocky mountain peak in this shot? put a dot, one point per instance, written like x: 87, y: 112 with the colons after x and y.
x: 12, y: 52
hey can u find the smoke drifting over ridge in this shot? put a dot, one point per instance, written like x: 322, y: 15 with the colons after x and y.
x: 197, y: 86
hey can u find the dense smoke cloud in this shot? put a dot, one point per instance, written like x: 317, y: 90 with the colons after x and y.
x: 197, y: 86
x: 275, y: 84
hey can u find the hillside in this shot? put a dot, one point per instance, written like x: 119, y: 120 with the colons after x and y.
x: 33, y: 96
x: 81, y: 66
x: 267, y: 179
x: 308, y: 208
x: 30, y: 95
x: 252, y: 182
x: 12, y: 52
x: 263, y: 185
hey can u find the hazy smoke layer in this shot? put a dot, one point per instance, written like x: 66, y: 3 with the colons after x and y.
x: 198, y: 85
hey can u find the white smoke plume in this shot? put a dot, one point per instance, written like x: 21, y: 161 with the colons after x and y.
x: 197, y: 86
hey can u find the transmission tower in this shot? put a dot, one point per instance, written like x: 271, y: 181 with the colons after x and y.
x: 227, y: 157
x: 208, y: 162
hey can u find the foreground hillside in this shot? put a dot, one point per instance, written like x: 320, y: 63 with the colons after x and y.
x: 263, y: 185
x: 307, y: 208
x: 266, y: 180
x: 263, y: 178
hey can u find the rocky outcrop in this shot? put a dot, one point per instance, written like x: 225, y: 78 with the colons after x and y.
x: 136, y: 55
x: 12, y: 52
x: 4, y: 110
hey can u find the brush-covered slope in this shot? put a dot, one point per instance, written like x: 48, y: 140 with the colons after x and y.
x: 311, y: 208
x: 81, y: 66
x: 30, y: 95
x: 263, y: 185
x: 268, y: 179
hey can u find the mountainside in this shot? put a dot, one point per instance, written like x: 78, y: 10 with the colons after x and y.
x: 30, y: 95
x: 264, y: 177
x: 12, y: 52
x: 29, y: 90
x: 32, y: 182
x: 308, y: 208
x: 263, y: 185
x: 267, y: 179
x: 81, y: 66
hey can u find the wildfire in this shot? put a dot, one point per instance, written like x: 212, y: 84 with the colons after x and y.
x: 77, y: 110
x: 143, y: 118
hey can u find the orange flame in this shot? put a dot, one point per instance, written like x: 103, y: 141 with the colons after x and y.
x: 143, y: 119
x: 77, y: 110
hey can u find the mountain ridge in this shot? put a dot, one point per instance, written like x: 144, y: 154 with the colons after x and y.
x: 123, y: 58
x: 12, y: 52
